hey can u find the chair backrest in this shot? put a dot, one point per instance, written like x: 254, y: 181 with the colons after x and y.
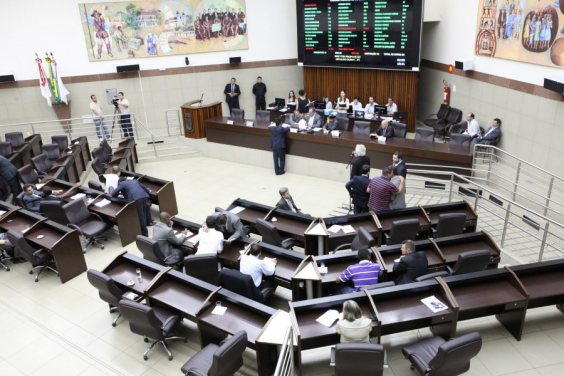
x: 269, y: 232
x: 28, y: 175
x: 288, y: 117
x: 19, y: 200
x: 400, y: 129
x: 342, y: 123
x: 15, y: 138
x: 98, y: 167
x: 102, y: 156
x: 443, y: 111
x: 5, y: 149
x: 239, y: 283
x: 41, y: 163
x: 95, y: 185
x: 18, y: 241
x: 453, y: 357
x: 450, y: 224
x: 470, y: 262
x: 76, y: 212
x: 228, y: 358
x: 106, y: 147
x: 54, y: 211
x: 150, y: 249
x: 202, y: 267
x: 362, y: 239
x: 403, y: 230
x: 359, y: 359
x: 361, y: 127
x: 51, y: 151
x: 107, y: 288
x: 460, y: 139
x: 238, y: 113
x: 60, y: 140
x: 454, y: 115
x: 142, y: 319
x: 263, y: 115
x: 424, y: 134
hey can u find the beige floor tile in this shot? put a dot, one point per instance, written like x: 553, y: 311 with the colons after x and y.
x: 35, y: 355
x: 65, y: 364
x: 501, y: 357
x: 128, y: 364
x: 18, y: 338
x: 554, y: 370
x: 539, y: 349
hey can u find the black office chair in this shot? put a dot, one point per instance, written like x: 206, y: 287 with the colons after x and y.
x: 202, y: 267
x: 270, y: 235
x: 468, y: 262
x: 242, y: 284
x: 42, y: 164
x: 6, y: 253
x: 361, y: 240
x: 436, y: 357
x: 362, y: 127
x: 88, y: 224
x: 453, y: 117
x: 342, y: 123
x: 460, y: 140
x: 402, y: 230
x: 15, y: 138
x: 424, y: 134
x: 400, y: 129
x: 238, y: 113
x: 19, y: 200
x: 449, y: 224
x: 218, y: 360
x: 95, y: 185
x: 439, y: 116
x: 107, y: 148
x: 37, y: 257
x: 99, y: 169
x: 28, y: 175
x: 151, y: 251
x: 62, y: 141
x: 107, y: 289
x: 359, y: 359
x: 151, y: 322
x: 51, y: 151
x: 102, y: 156
x: 457, y: 128
x: 6, y: 149
x: 263, y: 116
x: 54, y: 211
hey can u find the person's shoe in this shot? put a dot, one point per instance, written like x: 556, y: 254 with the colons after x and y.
x: 282, y: 173
x: 18, y: 260
x: 110, y: 139
x: 101, y: 139
x: 152, y: 223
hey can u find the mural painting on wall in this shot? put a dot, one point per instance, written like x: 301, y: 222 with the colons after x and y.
x: 530, y: 31
x: 152, y: 28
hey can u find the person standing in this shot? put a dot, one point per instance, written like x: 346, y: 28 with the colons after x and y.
x: 397, y: 201
x: 381, y: 190
x: 357, y: 190
x: 259, y: 90
x: 232, y: 93
x: 359, y: 160
x: 278, y: 145
x: 229, y: 225
x: 125, y: 117
x: 397, y: 160
x: 98, y: 118
x: 9, y: 175
x: 134, y: 191
x: 303, y: 101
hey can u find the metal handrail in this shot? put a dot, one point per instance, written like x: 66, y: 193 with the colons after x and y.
x: 146, y: 129
x: 285, y: 365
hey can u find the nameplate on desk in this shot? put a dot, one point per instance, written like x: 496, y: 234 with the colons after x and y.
x: 249, y: 123
x: 335, y: 133
x: 230, y: 122
x: 293, y: 130
x: 382, y: 140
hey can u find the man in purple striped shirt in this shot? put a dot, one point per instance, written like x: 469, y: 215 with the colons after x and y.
x: 381, y: 190
x: 365, y: 273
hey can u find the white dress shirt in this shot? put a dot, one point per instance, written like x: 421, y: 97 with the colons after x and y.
x: 210, y: 241
x: 369, y: 109
x: 112, y: 181
x: 357, y: 106
x: 392, y: 108
x: 253, y: 266
x: 473, y: 127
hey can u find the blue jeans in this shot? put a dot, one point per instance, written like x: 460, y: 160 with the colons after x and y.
x: 343, y: 289
x: 101, y: 121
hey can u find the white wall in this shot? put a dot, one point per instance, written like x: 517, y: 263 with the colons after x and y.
x: 55, y: 26
x: 453, y: 39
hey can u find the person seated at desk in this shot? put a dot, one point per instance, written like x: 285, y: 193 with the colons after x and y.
x: 411, y: 264
x: 112, y: 180
x: 369, y: 109
x: 391, y: 107
x: 353, y: 327
x: 492, y: 134
x: 251, y: 265
x: 357, y: 190
x: 397, y: 201
x: 332, y: 124
x: 32, y: 198
x: 365, y: 273
x: 356, y: 105
x: 229, y: 225
x: 312, y: 118
x: 343, y: 103
x: 328, y: 104
x: 49, y: 194
x: 211, y: 240
x: 169, y: 242
x: 385, y: 130
x: 473, y: 127
x: 295, y: 118
x: 286, y: 201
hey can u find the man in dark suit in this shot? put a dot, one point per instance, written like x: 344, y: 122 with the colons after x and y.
x: 9, y: 175
x: 278, y: 145
x: 357, y: 190
x: 232, y: 93
x: 359, y: 160
x: 411, y: 264
x: 32, y: 198
x: 385, y: 129
x: 397, y: 159
x: 491, y: 134
x: 312, y: 118
x: 286, y: 201
x: 259, y: 90
x: 132, y: 190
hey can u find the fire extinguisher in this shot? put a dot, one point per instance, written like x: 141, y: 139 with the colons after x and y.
x: 446, y: 92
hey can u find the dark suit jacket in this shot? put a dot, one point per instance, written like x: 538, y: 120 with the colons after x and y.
x: 357, y: 189
x: 282, y: 204
x: 495, y: 133
x: 132, y: 190
x: 410, y: 267
x: 52, y: 198
x: 357, y: 163
x: 278, y: 140
x: 32, y: 202
x: 402, y: 170
x: 7, y: 170
x: 389, y: 131
x: 234, y: 100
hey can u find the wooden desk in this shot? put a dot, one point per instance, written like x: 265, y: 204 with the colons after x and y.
x: 123, y: 268
x: 544, y: 281
x: 434, y: 212
x: 366, y: 220
x: 385, y: 220
x: 24, y: 150
x: 435, y: 258
x: 121, y: 213
x: 452, y: 246
x: 129, y: 143
x: 162, y: 191
x: 84, y: 148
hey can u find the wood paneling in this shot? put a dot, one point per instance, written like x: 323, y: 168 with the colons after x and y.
x: 402, y: 86
x: 199, y: 115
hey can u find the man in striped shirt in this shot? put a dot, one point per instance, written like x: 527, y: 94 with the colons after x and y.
x: 381, y: 190
x: 363, y: 274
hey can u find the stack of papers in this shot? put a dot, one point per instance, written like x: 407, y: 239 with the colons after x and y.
x: 103, y: 203
x: 194, y: 239
x: 219, y: 310
x: 348, y: 229
x: 268, y: 259
x: 237, y: 209
x: 77, y: 196
x: 335, y: 228
x: 329, y: 318
x: 317, y: 129
x: 434, y: 304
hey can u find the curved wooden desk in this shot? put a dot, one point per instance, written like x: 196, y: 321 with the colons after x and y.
x: 194, y: 115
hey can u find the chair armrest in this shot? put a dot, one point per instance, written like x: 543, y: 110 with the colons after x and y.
x: 167, y: 321
x: 449, y: 270
x: 342, y: 246
x: 431, y: 276
x: 97, y: 216
x: 195, y: 372
x: 76, y: 227
x: 428, y: 117
x: 36, y: 252
x: 387, y: 235
x: 420, y: 361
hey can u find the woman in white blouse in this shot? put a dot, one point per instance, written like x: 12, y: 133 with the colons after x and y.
x: 342, y: 100
x: 353, y: 327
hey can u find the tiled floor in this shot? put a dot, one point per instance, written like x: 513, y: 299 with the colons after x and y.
x: 54, y: 329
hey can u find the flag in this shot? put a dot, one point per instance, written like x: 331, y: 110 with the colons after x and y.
x: 43, y: 85
x: 62, y: 90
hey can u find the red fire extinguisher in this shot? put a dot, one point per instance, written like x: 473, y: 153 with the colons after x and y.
x: 446, y: 92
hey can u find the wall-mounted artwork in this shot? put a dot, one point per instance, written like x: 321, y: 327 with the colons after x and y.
x: 152, y: 28
x: 530, y: 31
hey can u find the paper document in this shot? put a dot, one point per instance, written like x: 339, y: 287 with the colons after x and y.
x: 329, y: 318
x: 130, y: 178
x: 434, y: 304
x: 381, y: 139
x: 103, y: 203
x: 322, y: 269
x: 2, y: 212
x: 348, y: 229
x: 317, y: 129
x: 241, y: 252
x: 77, y: 142
x: 237, y: 209
x: 130, y: 295
x: 219, y: 310
x: 194, y: 239
x: 39, y: 185
x: 293, y: 130
x: 335, y: 228
x: 77, y: 196
x: 268, y: 259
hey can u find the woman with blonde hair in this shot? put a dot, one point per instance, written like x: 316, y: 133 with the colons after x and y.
x: 353, y: 327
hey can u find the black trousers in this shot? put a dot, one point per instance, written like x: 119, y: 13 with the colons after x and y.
x: 142, y: 205
x: 15, y: 187
x: 360, y: 209
x: 232, y: 103
x: 125, y: 120
x: 261, y: 103
x: 279, y: 155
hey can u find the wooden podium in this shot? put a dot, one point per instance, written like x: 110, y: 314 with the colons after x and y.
x: 194, y: 116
